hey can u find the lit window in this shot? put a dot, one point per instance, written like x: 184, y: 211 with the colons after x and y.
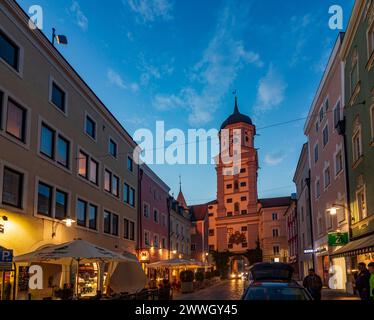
x: 82, y: 164
x: 94, y: 171
x: 16, y: 121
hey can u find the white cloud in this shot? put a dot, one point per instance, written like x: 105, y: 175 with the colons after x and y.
x: 116, y: 79
x: 80, y: 19
x: 167, y: 102
x: 270, y: 91
x: 273, y: 159
x: 150, y: 71
x: 151, y: 10
x: 216, y: 71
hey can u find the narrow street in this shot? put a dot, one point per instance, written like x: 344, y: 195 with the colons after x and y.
x: 225, y: 290
x: 233, y: 290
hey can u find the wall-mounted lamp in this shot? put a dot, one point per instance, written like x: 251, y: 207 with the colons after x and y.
x: 68, y: 222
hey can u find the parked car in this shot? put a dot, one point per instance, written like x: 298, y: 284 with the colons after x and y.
x: 276, y: 290
x: 273, y: 281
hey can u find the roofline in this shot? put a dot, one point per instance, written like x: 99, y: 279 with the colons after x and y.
x: 353, y: 23
x: 302, y: 154
x: 67, y: 67
x: 154, y: 177
x: 332, y: 59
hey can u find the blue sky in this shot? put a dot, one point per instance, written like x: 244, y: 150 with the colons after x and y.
x: 179, y: 61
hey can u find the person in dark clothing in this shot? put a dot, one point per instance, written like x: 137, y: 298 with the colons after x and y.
x: 362, y: 284
x: 313, y: 283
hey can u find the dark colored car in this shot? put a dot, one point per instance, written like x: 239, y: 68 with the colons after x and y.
x: 276, y: 290
x: 273, y: 281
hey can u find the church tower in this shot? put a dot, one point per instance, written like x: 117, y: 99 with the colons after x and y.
x: 237, y: 219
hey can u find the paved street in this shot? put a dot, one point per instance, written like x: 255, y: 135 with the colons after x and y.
x: 233, y: 289
x: 225, y: 290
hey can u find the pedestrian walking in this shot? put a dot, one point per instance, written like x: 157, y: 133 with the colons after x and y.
x: 362, y: 284
x: 371, y: 270
x: 313, y: 283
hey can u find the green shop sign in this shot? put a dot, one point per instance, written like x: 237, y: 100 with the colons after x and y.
x: 338, y: 239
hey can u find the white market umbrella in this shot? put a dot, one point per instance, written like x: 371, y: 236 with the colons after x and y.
x: 80, y: 251
x: 171, y: 263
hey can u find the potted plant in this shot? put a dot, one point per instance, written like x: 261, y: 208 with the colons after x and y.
x: 186, y: 278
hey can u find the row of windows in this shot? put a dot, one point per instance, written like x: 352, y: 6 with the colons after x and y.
x: 236, y: 185
x: 53, y: 202
x: 156, y: 215
x: 10, y: 53
x: 57, y: 148
x: 156, y: 240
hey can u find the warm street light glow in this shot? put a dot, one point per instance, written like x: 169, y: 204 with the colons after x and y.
x: 68, y: 222
x: 333, y: 211
x: 276, y: 259
x: 174, y: 251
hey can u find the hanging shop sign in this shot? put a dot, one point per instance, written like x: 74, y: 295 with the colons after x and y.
x: 336, y: 239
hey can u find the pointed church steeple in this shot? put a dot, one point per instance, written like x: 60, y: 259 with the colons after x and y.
x: 180, y: 198
x: 236, y: 108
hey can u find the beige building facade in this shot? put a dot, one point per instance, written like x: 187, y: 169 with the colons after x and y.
x: 66, y: 167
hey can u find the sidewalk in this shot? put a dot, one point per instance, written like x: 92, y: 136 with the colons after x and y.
x: 330, y: 294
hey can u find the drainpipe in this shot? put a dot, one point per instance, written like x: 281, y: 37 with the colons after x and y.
x: 308, y: 182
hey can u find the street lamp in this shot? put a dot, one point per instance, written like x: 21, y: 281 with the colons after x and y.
x: 334, y: 208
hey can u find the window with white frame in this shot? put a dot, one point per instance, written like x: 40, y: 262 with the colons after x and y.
x: 13, y: 182
x: 361, y: 203
x: 156, y: 239
x: 325, y: 134
x: 155, y: 216
x: 9, y: 51
x: 356, y: 144
x: 327, y: 177
x: 316, y: 153
x: 354, y: 71
x: 147, y: 238
x: 146, y: 210
x: 338, y: 162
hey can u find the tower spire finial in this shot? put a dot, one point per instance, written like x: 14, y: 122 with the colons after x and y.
x: 180, y: 183
x: 236, y: 108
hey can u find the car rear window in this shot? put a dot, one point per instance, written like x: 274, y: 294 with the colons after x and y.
x: 275, y: 293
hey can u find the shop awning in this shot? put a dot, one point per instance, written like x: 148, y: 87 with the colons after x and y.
x: 80, y: 250
x: 356, y: 247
